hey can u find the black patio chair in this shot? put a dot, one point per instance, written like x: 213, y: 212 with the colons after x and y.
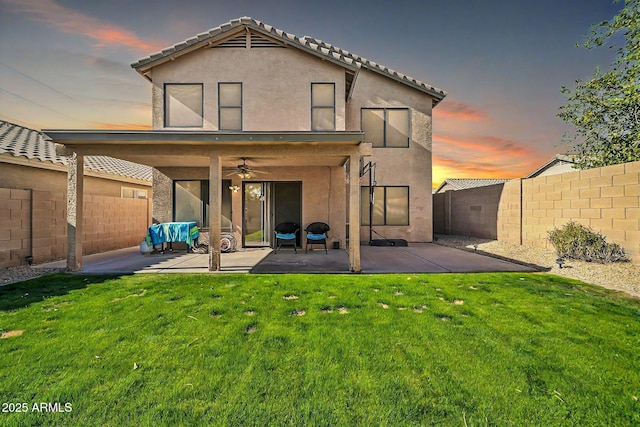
x: 317, y: 235
x: 286, y: 234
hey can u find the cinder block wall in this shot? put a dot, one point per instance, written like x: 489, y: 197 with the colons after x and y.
x: 605, y: 199
x: 509, y: 227
x: 33, y: 223
x: 476, y: 211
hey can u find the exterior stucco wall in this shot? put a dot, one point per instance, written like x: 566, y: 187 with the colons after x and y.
x: 162, y: 197
x: 399, y: 166
x: 276, y: 85
x: 323, y: 195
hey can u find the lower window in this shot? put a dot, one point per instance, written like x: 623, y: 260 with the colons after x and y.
x: 191, y: 202
x: 390, y: 206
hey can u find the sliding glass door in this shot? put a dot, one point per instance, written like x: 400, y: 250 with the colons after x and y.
x: 265, y: 205
x: 257, y: 224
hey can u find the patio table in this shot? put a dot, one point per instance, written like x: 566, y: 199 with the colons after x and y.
x: 169, y: 232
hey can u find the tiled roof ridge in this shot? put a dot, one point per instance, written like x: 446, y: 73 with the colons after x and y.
x: 332, y: 52
x: 20, y: 141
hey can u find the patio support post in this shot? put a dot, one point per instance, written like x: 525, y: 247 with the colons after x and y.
x: 354, y: 212
x: 215, y: 214
x: 75, y: 200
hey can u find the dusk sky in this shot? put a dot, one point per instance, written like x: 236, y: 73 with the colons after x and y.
x: 66, y: 63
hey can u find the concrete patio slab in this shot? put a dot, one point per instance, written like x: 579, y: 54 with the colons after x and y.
x: 416, y: 258
x: 431, y: 258
x: 130, y: 260
x: 316, y: 261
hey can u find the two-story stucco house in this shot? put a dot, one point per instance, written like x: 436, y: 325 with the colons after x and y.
x: 253, y: 126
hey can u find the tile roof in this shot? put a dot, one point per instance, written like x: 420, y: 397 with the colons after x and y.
x: 20, y: 141
x: 466, y: 183
x: 306, y: 43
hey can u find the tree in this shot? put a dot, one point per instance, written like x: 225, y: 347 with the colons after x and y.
x: 605, y: 110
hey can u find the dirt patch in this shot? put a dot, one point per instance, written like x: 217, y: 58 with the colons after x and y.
x: 332, y: 296
x: 383, y: 305
x: 251, y: 329
x: 458, y: 302
x: 343, y: 310
x: 249, y: 313
x: 417, y: 310
x: 298, y: 313
x: 55, y: 307
x: 9, y: 334
x: 375, y: 290
x: 398, y: 293
x: 326, y: 310
x: 290, y: 297
x: 144, y: 291
x: 473, y: 288
x: 401, y: 308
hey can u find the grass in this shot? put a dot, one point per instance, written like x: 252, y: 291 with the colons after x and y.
x: 459, y: 350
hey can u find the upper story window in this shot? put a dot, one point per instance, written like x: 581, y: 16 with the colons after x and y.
x: 323, y: 106
x: 386, y: 127
x: 183, y: 105
x: 230, y: 106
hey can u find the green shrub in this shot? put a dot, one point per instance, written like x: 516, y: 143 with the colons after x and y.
x: 576, y: 241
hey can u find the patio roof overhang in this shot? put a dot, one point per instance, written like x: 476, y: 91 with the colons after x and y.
x: 161, y: 148
x: 170, y: 149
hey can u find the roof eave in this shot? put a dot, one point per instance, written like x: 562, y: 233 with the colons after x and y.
x: 62, y: 136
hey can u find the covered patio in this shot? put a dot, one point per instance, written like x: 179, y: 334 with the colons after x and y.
x: 416, y: 258
x: 174, y: 152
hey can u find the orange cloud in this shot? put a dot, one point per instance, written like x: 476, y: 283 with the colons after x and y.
x: 447, y: 167
x: 486, y: 144
x: 70, y: 21
x: 126, y: 126
x: 458, y: 111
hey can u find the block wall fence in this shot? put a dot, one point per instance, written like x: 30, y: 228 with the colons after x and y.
x: 33, y: 223
x: 523, y: 211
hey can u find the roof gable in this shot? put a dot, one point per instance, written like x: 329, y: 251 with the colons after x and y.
x: 558, y: 159
x: 234, y: 34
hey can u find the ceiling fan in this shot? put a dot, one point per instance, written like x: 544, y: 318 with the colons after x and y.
x: 243, y: 171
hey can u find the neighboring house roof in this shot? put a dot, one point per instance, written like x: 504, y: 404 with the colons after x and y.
x: 308, y: 44
x: 559, y: 163
x: 19, y: 141
x: 466, y: 183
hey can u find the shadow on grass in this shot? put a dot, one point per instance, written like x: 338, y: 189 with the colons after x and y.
x: 19, y: 295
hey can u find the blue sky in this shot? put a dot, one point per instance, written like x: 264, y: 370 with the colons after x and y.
x: 65, y: 63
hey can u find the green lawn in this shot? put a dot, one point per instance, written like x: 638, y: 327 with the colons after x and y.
x: 459, y: 350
